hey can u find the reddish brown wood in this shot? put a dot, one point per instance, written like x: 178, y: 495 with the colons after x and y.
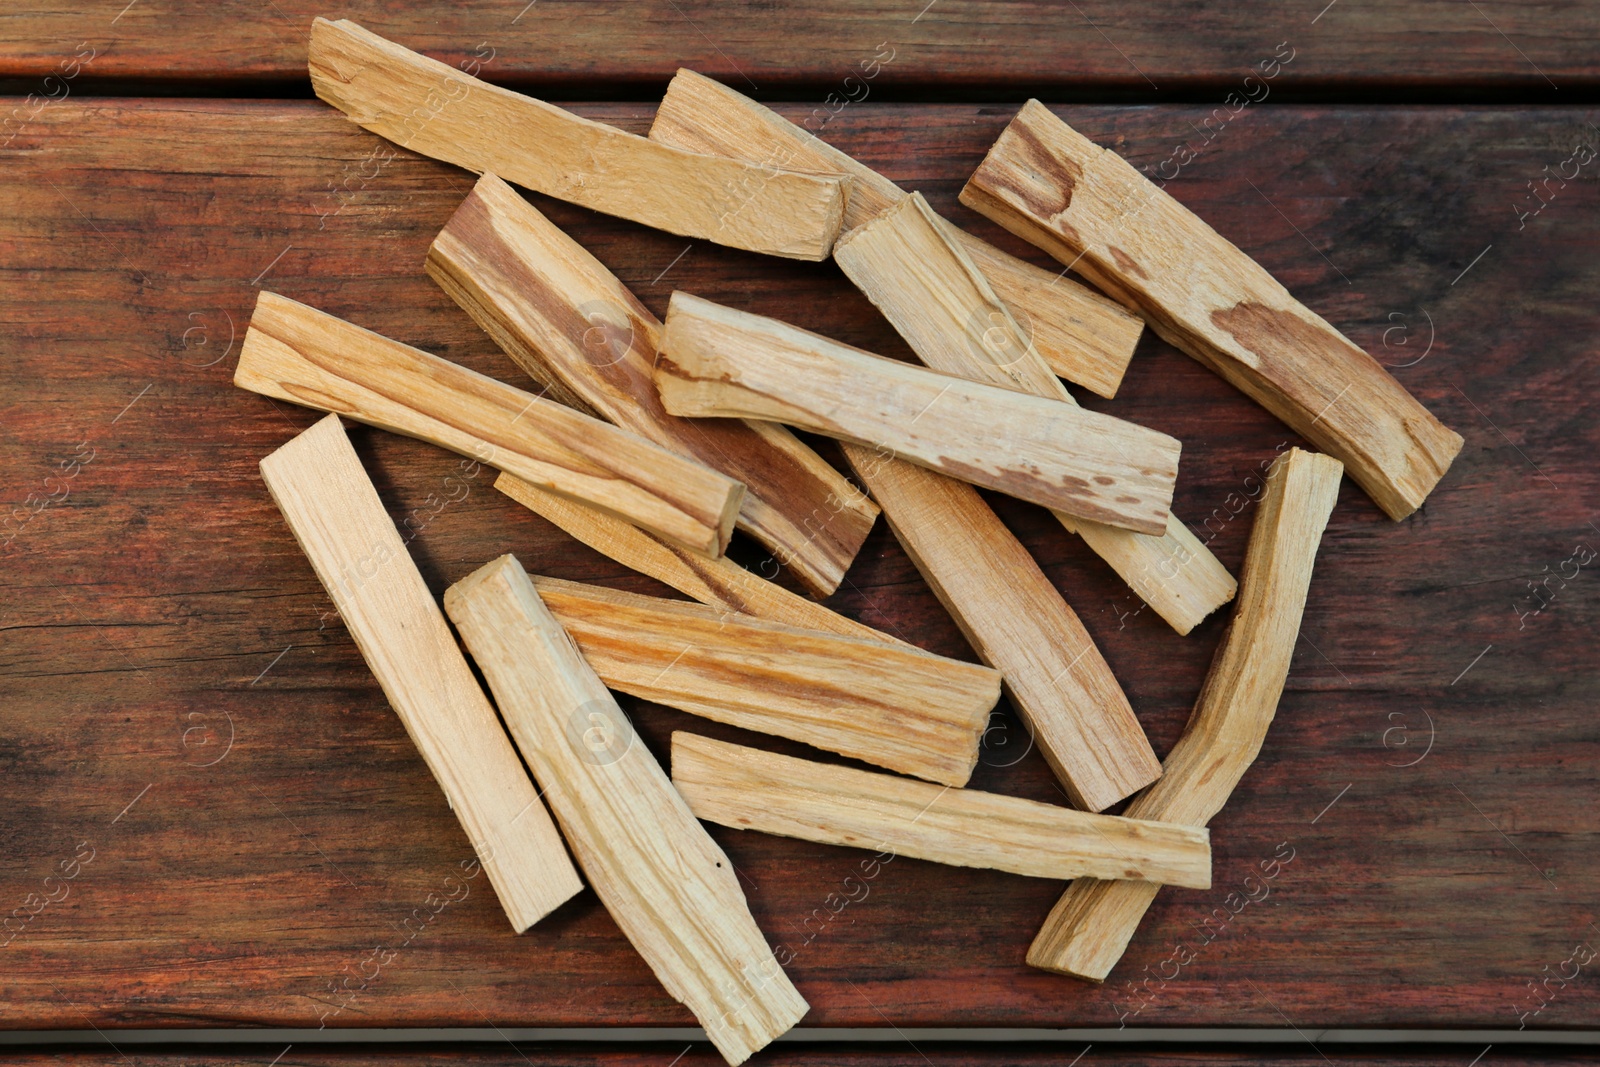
x: 908, y: 1053
x: 144, y: 615
x: 1024, y: 46
x: 918, y: 1053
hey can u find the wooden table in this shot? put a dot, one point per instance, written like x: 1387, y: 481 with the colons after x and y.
x: 185, y: 723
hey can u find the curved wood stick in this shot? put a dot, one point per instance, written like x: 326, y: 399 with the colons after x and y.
x: 439, y: 111
x: 659, y: 874
x: 718, y: 582
x: 718, y: 361
x: 751, y: 789
x: 890, y: 705
x: 1090, y: 926
x: 1083, y: 336
x: 569, y: 322
x: 308, y: 357
x: 1085, y: 205
x: 931, y: 292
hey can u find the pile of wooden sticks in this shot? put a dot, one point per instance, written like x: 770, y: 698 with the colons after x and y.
x: 651, y: 441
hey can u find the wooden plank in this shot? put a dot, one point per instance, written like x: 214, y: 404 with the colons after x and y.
x: 305, y: 356
x: 668, y: 885
x: 569, y: 322
x: 719, y: 582
x: 433, y: 108
x: 1089, y: 928
x: 1087, y: 206
x: 749, y: 789
x: 138, y: 611
x: 912, y: 1052
x: 318, y: 483
x: 1083, y: 336
x: 719, y: 361
x: 885, y: 704
x: 932, y: 293
x: 1018, y: 624
x: 1138, y: 52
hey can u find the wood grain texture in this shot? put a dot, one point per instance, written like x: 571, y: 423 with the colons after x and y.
x: 138, y: 611
x: 913, y: 1052
x: 1082, y: 335
x: 885, y: 704
x: 1088, y: 206
x: 928, y: 288
x: 302, y: 355
x: 433, y: 108
x: 1017, y: 623
x: 720, y: 582
x: 750, y: 789
x: 1089, y: 928
x: 718, y: 361
x: 1138, y: 52
x: 318, y: 483
x: 569, y: 322
x: 664, y: 881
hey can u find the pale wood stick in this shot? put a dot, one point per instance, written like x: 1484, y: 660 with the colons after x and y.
x: 1083, y: 336
x: 1086, y: 205
x: 334, y: 512
x: 659, y: 874
x: 1018, y: 624
x: 308, y: 357
x: 931, y: 292
x: 716, y: 361
x: 439, y: 111
x: 750, y: 789
x: 1090, y: 926
x: 889, y: 705
x: 565, y: 318
x: 720, y: 583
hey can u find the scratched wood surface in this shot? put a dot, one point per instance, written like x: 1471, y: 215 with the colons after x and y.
x: 212, y: 818
x: 1540, y: 48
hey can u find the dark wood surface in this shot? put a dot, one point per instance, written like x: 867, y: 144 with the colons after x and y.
x: 887, y: 1054
x: 176, y: 696
x: 1544, y: 49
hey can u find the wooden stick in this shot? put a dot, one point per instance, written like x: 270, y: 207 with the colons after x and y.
x: 1083, y: 336
x: 565, y: 318
x: 717, y: 361
x: 720, y: 583
x: 307, y: 357
x: 439, y: 111
x: 1089, y: 928
x: 749, y: 789
x: 659, y: 874
x: 1018, y: 624
x: 334, y: 512
x: 890, y: 705
x: 1045, y: 182
x: 931, y: 292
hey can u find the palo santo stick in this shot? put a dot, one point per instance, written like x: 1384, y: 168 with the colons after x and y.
x: 334, y: 512
x: 717, y: 361
x: 1089, y: 928
x: 439, y: 111
x: 1086, y: 205
x: 564, y: 317
x: 928, y: 288
x: 307, y: 357
x: 1083, y: 336
x: 750, y: 789
x: 893, y: 706
x: 720, y: 582
x: 1018, y: 624
x: 659, y: 874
